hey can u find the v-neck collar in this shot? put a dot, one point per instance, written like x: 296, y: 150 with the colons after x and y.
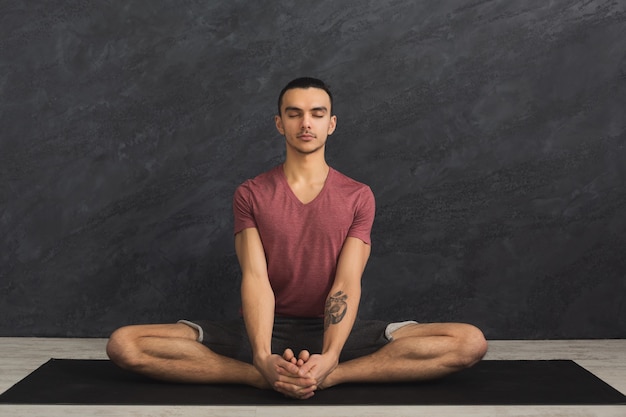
x: 293, y: 195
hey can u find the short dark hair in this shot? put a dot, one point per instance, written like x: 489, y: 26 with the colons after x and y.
x: 305, y: 82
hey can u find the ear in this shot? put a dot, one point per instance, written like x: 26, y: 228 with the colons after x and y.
x: 332, y: 125
x: 279, y: 125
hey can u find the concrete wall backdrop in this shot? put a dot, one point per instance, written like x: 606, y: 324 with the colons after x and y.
x: 491, y: 132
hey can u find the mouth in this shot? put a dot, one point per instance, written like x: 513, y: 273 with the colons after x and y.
x: 306, y: 136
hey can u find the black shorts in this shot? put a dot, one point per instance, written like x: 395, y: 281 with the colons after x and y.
x: 229, y: 338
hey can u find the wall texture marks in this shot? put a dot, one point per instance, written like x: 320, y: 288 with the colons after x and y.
x: 491, y: 132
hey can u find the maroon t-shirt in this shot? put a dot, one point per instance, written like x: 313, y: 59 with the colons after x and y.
x: 302, y: 242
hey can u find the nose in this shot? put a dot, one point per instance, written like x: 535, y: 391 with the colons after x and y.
x: 306, y: 122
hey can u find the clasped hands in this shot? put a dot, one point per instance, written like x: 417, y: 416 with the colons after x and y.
x: 297, y: 377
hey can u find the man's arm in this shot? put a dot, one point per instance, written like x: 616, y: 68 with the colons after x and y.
x: 257, y: 296
x: 341, y: 309
x: 258, y: 302
x: 342, y: 303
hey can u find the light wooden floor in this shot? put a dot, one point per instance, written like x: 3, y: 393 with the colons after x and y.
x: 605, y: 358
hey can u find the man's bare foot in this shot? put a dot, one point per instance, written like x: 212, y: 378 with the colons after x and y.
x: 300, y: 360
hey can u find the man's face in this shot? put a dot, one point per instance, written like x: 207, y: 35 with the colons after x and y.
x: 305, y: 119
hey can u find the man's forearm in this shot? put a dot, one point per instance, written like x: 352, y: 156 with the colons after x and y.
x: 258, y: 314
x: 339, y: 315
x: 335, y: 309
x: 343, y: 299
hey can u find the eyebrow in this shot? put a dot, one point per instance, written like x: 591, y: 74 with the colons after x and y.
x: 292, y: 108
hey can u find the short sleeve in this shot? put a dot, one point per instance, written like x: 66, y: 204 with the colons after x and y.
x: 243, y: 209
x: 364, y: 216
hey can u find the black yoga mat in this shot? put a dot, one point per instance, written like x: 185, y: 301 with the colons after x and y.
x: 68, y: 381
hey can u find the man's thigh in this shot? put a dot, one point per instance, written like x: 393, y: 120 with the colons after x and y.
x: 229, y: 338
x: 224, y: 337
x: 430, y: 329
x: 367, y: 337
x: 157, y: 330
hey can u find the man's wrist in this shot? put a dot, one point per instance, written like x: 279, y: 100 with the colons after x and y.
x: 260, y: 356
x: 332, y: 354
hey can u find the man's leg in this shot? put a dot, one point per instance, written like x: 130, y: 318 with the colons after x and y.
x: 171, y: 352
x: 417, y: 352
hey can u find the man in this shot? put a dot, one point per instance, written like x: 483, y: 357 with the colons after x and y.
x: 302, y: 237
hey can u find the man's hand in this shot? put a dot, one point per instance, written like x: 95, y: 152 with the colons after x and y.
x: 316, y: 367
x: 283, y: 376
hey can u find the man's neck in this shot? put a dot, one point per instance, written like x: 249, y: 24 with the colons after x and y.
x: 311, y: 168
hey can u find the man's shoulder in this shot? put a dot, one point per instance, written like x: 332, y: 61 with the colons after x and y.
x: 343, y: 180
x: 263, y: 180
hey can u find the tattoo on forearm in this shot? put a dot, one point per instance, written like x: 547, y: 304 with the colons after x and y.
x: 336, y: 308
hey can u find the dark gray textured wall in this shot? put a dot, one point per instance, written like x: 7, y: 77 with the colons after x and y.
x: 492, y: 134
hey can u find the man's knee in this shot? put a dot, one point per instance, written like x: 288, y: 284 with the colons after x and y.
x: 472, y: 345
x: 125, y: 349
x: 122, y: 347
